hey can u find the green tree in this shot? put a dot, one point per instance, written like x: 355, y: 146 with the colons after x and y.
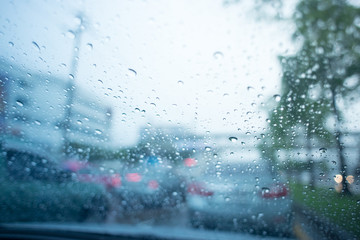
x: 318, y: 76
x: 330, y: 31
x: 299, y: 113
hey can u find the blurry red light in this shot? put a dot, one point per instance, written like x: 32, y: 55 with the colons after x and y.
x: 133, y: 177
x: 153, y: 184
x: 189, y: 162
x: 275, y: 192
x: 116, y: 181
x: 198, y: 189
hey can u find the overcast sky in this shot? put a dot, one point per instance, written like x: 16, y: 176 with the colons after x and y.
x: 197, y: 64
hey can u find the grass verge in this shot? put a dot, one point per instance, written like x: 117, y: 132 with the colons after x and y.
x: 342, y: 210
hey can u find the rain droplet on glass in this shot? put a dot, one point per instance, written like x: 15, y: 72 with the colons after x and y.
x: 218, y: 55
x: 132, y: 72
x: 233, y: 139
x: 70, y: 34
x: 323, y: 150
x: 36, y: 46
x: 277, y: 97
x: 89, y: 46
x: 19, y: 103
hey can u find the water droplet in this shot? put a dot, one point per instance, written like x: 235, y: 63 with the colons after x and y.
x: 180, y: 83
x: 265, y: 190
x: 70, y: 34
x: 78, y: 20
x: 250, y: 88
x: 79, y: 122
x: 11, y: 44
x: 225, y: 95
x: 153, y: 104
x: 19, y: 103
x: 132, y: 72
x: 89, y: 46
x: 98, y: 131
x: 277, y: 97
x: 218, y: 55
x: 37, y: 122
x: 243, y: 143
x: 36, y: 46
x: 227, y: 199
x: 323, y: 150
x: 358, y: 201
x: 233, y: 139
x: 207, y: 148
x: 71, y: 76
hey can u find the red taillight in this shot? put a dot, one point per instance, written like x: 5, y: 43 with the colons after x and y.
x: 116, y: 180
x: 189, y: 162
x: 153, y: 184
x: 198, y: 189
x: 133, y: 177
x: 274, y: 192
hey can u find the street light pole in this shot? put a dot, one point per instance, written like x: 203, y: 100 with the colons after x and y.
x: 70, y: 88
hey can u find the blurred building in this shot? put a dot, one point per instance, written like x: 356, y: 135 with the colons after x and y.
x: 32, y: 113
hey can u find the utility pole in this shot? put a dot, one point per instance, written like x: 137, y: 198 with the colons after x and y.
x: 71, y: 87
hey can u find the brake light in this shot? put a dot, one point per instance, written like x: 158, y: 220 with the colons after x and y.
x: 274, y: 192
x: 133, y: 177
x: 199, y: 189
x: 153, y: 184
x: 116, y: 181
x: 189, y: 162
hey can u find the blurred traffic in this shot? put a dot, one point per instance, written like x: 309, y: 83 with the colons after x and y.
x: 198, y: 115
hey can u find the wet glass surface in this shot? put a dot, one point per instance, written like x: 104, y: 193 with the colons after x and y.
x: 190, y: 120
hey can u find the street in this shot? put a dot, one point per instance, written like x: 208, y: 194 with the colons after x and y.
x: 173, y: 219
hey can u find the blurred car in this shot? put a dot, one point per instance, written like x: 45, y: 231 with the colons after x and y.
x: 26, y: 166
x: 41, y: 190
x: 150, y: 185
x: 239, y: 197
x: 88, y: 173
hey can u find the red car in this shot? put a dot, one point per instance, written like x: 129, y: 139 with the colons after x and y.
x: 86, y: 172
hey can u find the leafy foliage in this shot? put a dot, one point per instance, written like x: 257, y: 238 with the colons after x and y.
x: 316, y: 76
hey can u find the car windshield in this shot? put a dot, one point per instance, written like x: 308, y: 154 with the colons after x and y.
x: 218, y: 119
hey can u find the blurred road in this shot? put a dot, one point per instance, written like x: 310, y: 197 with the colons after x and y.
x: 174, y: 216
x: 171, y: 217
